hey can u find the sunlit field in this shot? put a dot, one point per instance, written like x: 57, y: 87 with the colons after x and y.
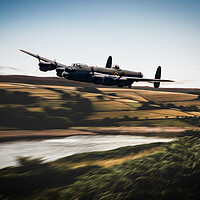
x: 128, y: 105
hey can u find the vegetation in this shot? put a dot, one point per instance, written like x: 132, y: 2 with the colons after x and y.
x: 32, y: 176
x: 147, y: 106
x: 89, y: 89
x: 15, y: 97
x: 182, y: 108
x: 23, y: 119
x: 116, y: 153
x: 170, y: 172
x: 75, y: 109
x: 190, y: 133
x: 191, y: 120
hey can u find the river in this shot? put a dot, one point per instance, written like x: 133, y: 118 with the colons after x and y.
x: 53, y: 149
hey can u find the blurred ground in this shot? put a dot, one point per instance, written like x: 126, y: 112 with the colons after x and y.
x: 38, y: 103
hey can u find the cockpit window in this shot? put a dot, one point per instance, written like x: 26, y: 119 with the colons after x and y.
x: 79, y: 65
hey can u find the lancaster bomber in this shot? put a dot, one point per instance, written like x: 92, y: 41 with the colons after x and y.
x: 108, y: 75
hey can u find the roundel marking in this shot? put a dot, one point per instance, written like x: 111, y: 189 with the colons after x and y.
x: 116, y: 73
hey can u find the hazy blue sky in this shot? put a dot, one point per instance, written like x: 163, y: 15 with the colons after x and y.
x: 140, y: 35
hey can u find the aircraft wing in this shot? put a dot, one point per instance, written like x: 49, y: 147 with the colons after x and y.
x: 43, y: 59
x: 124, y: 78
x: 137, y: 79
x: 101, y: 75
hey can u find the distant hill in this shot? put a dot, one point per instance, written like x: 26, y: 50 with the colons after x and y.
x: 40, y: 80
x: 65, y: 82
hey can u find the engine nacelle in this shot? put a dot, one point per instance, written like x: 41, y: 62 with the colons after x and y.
x: 103, y: 81
x: 46, y: 66
x: 97, y: 80
x: 59, y: 72
x: 108, y: 81
x: 122, y: 83
x: 65, y: 74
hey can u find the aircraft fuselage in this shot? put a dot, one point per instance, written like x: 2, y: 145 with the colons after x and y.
x: 86, y: 74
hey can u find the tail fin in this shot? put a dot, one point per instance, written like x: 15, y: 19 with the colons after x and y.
x: 157, y: 76
x: 109, y: 62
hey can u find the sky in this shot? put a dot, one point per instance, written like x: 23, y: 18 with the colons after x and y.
x: 139, y: 34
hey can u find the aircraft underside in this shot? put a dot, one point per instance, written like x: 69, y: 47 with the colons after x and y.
x: 86, y: 77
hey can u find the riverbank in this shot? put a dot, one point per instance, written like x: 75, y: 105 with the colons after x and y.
x: 164, y: 132
x: 17, y: 135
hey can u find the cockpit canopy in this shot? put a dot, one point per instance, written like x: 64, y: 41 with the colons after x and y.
x: 79, y: 65
x: 116, y: 67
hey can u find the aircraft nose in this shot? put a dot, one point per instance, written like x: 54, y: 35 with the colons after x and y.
x: 141, y: 74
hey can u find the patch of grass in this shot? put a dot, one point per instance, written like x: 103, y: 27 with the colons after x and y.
x: 169, y: 112
x: 105, y: 155
x: 89, y: 89
x: 194, y: 113
x: 131, y: 95
x: 134, y: 104
x: 33, y: 176
x: 109, y: 162
x: 34, y: 109
x: 185, y: 103
x: 171, y: 173
x: 110, y: 106
x: 156, y: 123
x: 140, y: 114
x: 158, y: 96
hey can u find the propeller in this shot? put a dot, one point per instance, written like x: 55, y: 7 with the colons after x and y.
x: 157, y: 76
x: 38, y: 57
x: 92, y: 70
x: 37, y: 69
x: 55, y: 63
